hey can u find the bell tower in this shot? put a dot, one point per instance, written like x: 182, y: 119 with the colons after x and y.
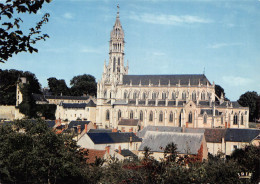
x: 113, y: 73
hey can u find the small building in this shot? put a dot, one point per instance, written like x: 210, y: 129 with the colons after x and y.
x: 99, y: 141
x: 128, y: 125
x: 238, y: 138
x: 193, y: 144
x: 215, y: 139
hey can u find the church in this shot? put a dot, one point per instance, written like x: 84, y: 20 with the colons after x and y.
x: 159, y: 100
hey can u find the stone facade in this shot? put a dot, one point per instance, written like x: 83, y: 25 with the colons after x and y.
x: 168, y: 100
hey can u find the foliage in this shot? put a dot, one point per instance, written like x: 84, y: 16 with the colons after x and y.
x: 249, y: 99
x: 248, y: 160
x: 12, y: 39
x: 46, y: 110
x: 170, y: 152
x: 58, y: 86
x: 30, y: 152
x: 8, y: 80
x: 218, y: 91
x: 83, y: 84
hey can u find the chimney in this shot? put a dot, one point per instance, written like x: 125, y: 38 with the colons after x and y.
x: 86, y: 128
x: 114, y: 130
x: 107, y: 149
x: 95, y: 125
x: 119, y: 149
x: 187, y: 124
x: 131, y: 139
x: 79, y: 129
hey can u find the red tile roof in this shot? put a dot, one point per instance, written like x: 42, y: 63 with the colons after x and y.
x: 93, y: 154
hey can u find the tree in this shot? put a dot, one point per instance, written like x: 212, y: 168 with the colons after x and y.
x: 12, y: 39
x: 170, y: 152
x: 58, y: 86
x: 8, y: 81
x: 30, y: 152
x: 249, y: 99
x: 218, y: 91
x: 83, y: 84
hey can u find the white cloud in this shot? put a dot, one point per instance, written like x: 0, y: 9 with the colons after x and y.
x: 168, y: 19
x: 220, y: 45
x: 68, y: 15
x: 236, y: 80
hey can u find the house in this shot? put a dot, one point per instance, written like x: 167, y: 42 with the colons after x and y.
x: 215, y: 138
x: 99, y: 141
x: 239, y: 138
x: 128, y: 125
x: 193, y: 144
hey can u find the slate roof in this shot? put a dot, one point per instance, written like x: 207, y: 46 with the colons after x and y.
x: 128, y: 122
x: 100, y: 131
x: 67, y: 97
x: 112, y: 138
x: 171, y: 103
x: 161, y: 103
x: 204, y: 103
x: 214, y: 135
x: 164, y: 79
x: 74, y: 124
x: 235, y: 104
x: 187, y: 143
x: 74, y: 105
x: 180, y: 103
x: 159, y: 129
x: 120, y: 102
x: 141, y: 102
x: 127, y: 153
x: 51, y: 123
x: 39, y: 97
x: 132, y: 102
x: 241, y: 135
x: 151, y: 102
x: 91, y: 104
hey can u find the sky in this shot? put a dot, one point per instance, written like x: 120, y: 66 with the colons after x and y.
x: 217, y: 37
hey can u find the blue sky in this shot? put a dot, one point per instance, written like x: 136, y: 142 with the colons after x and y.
x: 162, y: 37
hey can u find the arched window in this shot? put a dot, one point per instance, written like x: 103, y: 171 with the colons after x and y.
x: 114, y: 64
x: 184, y: 95
x: 154, y: 96
x: 235, y: 119
x: 222, y: 120
x: 118, y: 62
x: 144, y: 95
x: 151, y: 116
x: 105, y: 93
x: 135, y: 95
x: 163, y: 95
x: 193, y: 95
x: 205, y: 118
x: 190, y: 118
x: 131, y: 115
x: 107, y: 115
x: 242, y: 119
x: 173, y: 95
x: 171, y: 117
x: 161, y: 117
x: 125, y: 95
x: 203, y: 97
x: 119, y: 114
x: 141, y: 116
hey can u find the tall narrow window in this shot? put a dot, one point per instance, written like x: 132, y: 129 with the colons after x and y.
x: 203, y: 96
x: 193, y: 95
x: 114, y: 64
x: 141, y: 116
x: 205, y: 119
x: 161, y: 117
x: 131, y: 114
x: 163, y: 95
x: 184, y: 95
x: 154, y: 96
x: 105, y: 94
x: 107, y: 115
x: 125, y: 95
x: 151, y: 116
x: 144, y: 95
x: 171, y: 117
x: 118, y: 62
x: 190, y: 118
x: 242, y: 119
x: 222, y: 120
x: 235, y: 119
x: 135, y: 95
x: 173, y: 95
x: 119, y: 114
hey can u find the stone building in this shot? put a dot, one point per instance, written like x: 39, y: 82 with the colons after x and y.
x: 160, y: 100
